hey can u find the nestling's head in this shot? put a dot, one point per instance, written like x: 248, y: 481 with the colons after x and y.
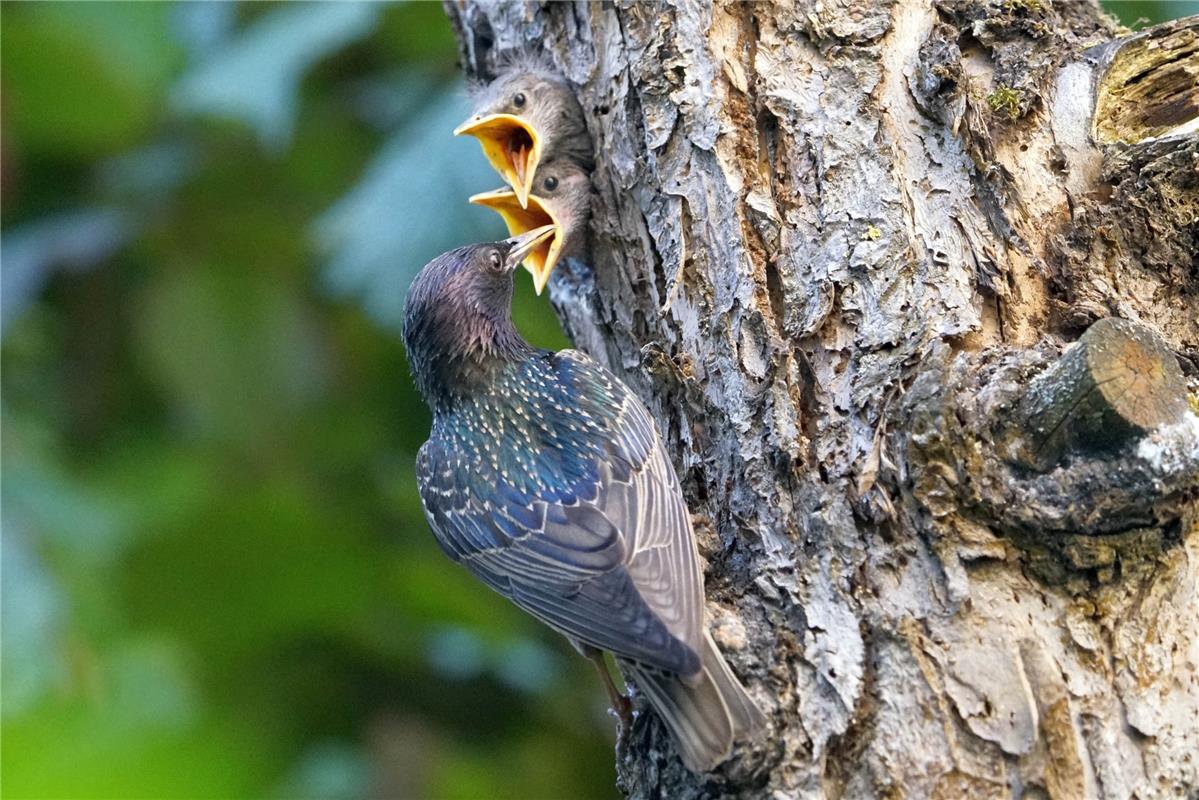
x: 526, y: 116
x: 561, y: 198
x: 457, y: 316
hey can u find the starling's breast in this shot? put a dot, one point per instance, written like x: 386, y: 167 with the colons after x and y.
x: 540, y: 431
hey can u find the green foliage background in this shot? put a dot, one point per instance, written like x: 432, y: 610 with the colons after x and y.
x: 217, y: 580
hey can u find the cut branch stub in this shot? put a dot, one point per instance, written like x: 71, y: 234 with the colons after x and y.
x: 1117, y: 383
x: 1149, y: 88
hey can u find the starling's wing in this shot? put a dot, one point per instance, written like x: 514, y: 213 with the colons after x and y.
x: 600, y: 548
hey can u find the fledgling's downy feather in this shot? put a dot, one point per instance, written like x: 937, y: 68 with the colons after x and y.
x: 560, y: 196
x: 565, y: 188
x: 550, y: 106
x: 509, y: 62
x: 546, y: 477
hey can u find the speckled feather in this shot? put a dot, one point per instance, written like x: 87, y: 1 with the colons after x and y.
x: 545, y: 476
x: 551, y: 485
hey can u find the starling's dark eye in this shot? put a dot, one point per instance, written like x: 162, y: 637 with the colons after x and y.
x: 495, y: 259
x: 518, y: 100
x: 551, y: 183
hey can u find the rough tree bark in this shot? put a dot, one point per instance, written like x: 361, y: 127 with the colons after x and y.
x: 842, y: 249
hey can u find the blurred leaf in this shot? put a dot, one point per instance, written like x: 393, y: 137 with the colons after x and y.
x: 456, y: 652
x: 407, y: 208
x: 234, y: 350
x: 262, y: 565
x: 537, y: 763
x: 200, y: 27
x: 431, y: 588
x: 149, y: 687
x: 466, y: 776
x: 387, y: 101
x: 223, y: 584
x: 79, y: 750
x: 31, y: 612
x: 44, y: 498
x: 156, y: 483
x: 148, y: 174
x: 1155, y: 11
x: 255, y: 78
x: 84, y: 78
x: 462, y: 654
x: 527, y: 665
x: 327, y: 771
x: 75, y: 240
x: 417, y: 33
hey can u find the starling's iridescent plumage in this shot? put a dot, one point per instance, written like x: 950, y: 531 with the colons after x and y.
x: 551, y: 486
x: 545, y: 476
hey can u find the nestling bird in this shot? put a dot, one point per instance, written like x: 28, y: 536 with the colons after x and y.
x: 545, y: 477
x: 528, y: 115
x: 561, y: 198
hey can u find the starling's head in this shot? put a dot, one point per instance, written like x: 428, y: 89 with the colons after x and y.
x: 561, y: 198
x: 526, y: 115
x: 457, y: 315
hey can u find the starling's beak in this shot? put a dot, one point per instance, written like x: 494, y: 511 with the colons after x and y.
x: 524, y: 244
x: 539, y: 214
x: 511, y: 145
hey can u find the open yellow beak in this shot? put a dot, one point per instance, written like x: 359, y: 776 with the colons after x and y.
x: 520, y: 219
x: 511, y: 145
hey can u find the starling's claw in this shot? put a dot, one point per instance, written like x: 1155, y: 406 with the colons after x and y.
x: 621, y: 705
x: 623, y: 709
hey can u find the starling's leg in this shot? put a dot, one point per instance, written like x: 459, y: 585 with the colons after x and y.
x: 620, y: 704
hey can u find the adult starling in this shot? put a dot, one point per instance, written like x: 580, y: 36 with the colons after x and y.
x: 561, y: 198
x: 545, y: 476
x: 526, y: 115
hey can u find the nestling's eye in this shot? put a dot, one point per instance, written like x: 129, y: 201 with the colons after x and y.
x: 518, y: 100
x: 551, y: 183
x: 495, y: 259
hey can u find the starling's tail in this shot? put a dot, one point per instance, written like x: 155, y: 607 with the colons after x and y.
x: 705, y: 712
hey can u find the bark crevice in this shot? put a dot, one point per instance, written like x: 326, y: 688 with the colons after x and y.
x: 832, y: 246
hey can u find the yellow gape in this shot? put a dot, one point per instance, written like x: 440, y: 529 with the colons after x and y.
x: 511, y: 145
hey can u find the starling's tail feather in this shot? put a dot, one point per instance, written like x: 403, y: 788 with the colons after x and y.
x: 704, y: 713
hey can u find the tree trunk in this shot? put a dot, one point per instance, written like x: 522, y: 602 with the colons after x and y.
x: 842, y: 249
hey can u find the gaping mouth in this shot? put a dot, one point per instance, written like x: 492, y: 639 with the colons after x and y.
x: 520, y: 219
x: 511, y: 145
x: 519, y: 149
